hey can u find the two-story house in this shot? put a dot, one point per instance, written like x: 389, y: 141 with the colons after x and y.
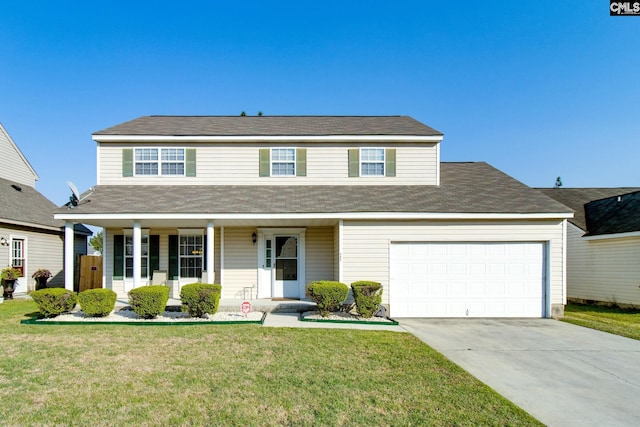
x: 265, y: 205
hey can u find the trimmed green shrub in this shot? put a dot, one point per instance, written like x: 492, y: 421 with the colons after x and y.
x: 97, y: 302
x: 327, y: 295
x: 200, y: 298
x: 149, y: 301
x: 54, y: 301
x: 368, y: 297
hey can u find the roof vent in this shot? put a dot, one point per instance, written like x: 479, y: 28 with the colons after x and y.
x: 16, y: 187
x: 619, y: 199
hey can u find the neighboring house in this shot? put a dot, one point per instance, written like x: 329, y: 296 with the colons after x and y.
x: 30, y: 238
x: 603, y: 260
x: 265, y: 205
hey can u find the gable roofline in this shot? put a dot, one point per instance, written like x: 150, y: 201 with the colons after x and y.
x: 22, y: 156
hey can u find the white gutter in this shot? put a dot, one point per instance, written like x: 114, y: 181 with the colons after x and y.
x: 263, y: 138
x: 348, y: 215
x: 33, y: 225
x: 613, y: 236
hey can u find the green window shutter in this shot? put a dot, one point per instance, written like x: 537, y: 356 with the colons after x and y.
x: 154, y: 253
x: 390, y: 162
x: 204, y: 253
x: 265, y: 162
x: 118, y: 257
x: 190, y: 161
x: 127, y: 162
x: 354, y: 162
x: 301, y: 162
x: 174, y: 271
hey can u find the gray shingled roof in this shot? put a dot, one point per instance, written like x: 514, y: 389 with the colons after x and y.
x: 465, y: 188
x: 617, y: 214
x: 22, y: 203
x: 576, y: 198
x: 271, y: 126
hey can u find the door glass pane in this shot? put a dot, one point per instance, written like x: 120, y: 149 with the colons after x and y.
x: 286, y: 269
x: 268, y: 253
x: 286, y: 247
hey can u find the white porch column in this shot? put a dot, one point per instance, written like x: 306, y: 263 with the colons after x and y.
x: 68, y: 255
x: 137, y: 253
x: 340, y: 265
x: 211, y: 275
x: 222, y: 256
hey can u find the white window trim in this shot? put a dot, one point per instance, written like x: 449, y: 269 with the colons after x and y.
x: 191, y: 232
x: 271, y: 162
x: 23, y: 238
x: 159, y: 161
x: 383, y: 162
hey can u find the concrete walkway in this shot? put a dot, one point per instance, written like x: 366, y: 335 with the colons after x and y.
x: 562, y: 374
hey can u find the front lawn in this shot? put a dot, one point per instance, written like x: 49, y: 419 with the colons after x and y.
x: 232, y: 375
x: 625, y: 322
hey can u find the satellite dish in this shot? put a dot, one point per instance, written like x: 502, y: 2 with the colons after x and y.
x: 75, y: 195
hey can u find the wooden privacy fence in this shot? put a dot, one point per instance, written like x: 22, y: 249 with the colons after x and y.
x: 90, y: 276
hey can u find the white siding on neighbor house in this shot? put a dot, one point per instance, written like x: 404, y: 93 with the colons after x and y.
x: 43, y: 250
x: 605, y: 270
x: 366, y: 244
x: 14, y: 167
x: 238, y: 164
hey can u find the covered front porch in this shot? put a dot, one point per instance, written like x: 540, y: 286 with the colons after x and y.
x: 251, y: 258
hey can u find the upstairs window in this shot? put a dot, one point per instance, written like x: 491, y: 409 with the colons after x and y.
x: 146, y: 161
x: 372, y: 161
x: 172, y: 161
x: 283, y: 162
x: 164, y: 161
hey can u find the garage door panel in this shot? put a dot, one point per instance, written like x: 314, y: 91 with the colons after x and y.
x: 467, y: 279
x: 476, y: 290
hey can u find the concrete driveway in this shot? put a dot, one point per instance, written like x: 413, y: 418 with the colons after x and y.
x: 562, y: 374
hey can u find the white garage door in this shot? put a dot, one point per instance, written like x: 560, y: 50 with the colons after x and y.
x: 467, y: 280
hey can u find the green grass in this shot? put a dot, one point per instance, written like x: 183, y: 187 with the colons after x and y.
x: 232, y: 375
x: 625, y: 322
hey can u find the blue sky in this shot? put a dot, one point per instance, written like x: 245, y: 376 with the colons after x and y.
x: 538, y: 89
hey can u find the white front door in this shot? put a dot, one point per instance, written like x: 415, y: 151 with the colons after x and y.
x: 281, y: 263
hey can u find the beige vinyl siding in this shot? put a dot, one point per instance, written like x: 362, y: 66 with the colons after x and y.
x: 366, y: 244
x: 605, y: 270
x: 240, y: 262
x: 14, y: 167
x: 238, y: 164
x: 43, y: 250
x: 163, y: 233
x: 319, y: 254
